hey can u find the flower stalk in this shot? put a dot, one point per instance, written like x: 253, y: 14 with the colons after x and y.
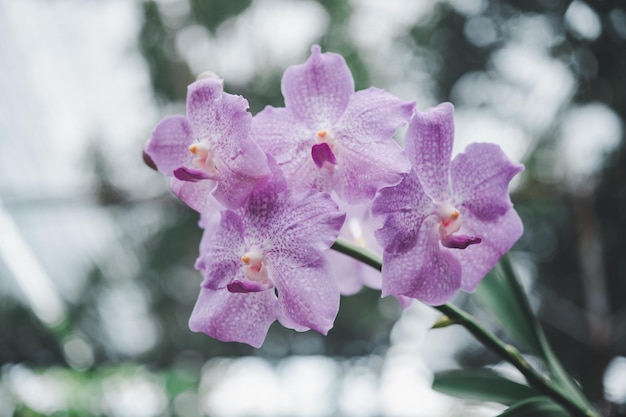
x: 506, y: 351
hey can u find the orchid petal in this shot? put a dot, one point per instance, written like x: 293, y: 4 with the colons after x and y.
x: 318, y: 91
x: 280, y: 134
x: 308, y: 297
x: 196, y: 195
x: 497, y: 238
x: 234, y: 187
x: 425, y: 271
x: 373, y: 115
x: 480, y: 180
x: 219, y: 257
x: 217, y: 117
x: 428, y: 144
x: 403, y: 208
x: 234, y: 317
x: 364, y: 169
x: 168, y: 145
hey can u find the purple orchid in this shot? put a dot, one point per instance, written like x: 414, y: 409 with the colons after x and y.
x: 448, y: 222
x: 211, y: 145
x: 265, y: 262
x: 327, y: 137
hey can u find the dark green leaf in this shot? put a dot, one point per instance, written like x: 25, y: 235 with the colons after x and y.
x: 535, y: 407
x: 482, y: 385
x: 504, y: 296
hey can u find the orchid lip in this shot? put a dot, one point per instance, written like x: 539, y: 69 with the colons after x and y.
x: 203, y: 159
x: 191, y: 175
x: 322, y: 154
x: 450, y: 223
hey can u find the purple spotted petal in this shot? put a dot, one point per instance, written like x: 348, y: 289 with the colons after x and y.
x: 497, y: 238
x: 233, y: 317
x: 373, y: 115
x: 322, y: 154
x: 363, y: 169
x: 318, y: 91
x: 424, y: 272
x: 308, y: 297
x: 217, y: 117
x: 196, y: 195
x: 402, y: 208
x: 234, y: 187
x: 279, y: 133
x: 428, y: 144
x: 168, y: 146
x: 480, y: 179
x: 219, y: 260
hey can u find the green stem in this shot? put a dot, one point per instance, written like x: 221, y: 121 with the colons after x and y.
x: 507, y: 352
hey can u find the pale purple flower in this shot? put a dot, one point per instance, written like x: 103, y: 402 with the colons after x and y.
x: 265, y: 262
x: 210, y: 149
x: 327, y: 137
x: 448, y: 222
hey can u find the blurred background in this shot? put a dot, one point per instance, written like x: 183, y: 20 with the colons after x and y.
x: 96, y: 255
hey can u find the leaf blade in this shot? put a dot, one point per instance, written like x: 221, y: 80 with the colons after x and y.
x: 482, y: 385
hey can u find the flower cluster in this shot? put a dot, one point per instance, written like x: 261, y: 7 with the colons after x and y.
x: 275, y: 190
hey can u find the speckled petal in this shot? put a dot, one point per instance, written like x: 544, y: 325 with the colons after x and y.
x: 234, y: 317
x: 292, y: 221
x: 237, y: 183
x: 279, y: 133
x: 219, y: 259
x: 428, y: 144
x: 217, y: 117
x: 363, y: 169
x: 480, y: 179
x: 196, y: 195
x: 497, y: 238
x: 318, y: 91
x: 308, y: 297
x: 425, y: 272
x: 168, y: 146
x: 373, y: 115
x: 402, y: 209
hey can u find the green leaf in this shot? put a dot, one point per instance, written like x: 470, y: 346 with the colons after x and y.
x: 503, y: 295
x: 482, y: 385
x: 535, y: 407
x: 497, y: 294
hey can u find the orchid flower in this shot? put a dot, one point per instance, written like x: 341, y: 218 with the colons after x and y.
x: 210, y: 149
x: 265, y: 262
x: 448, y: 222
x: 327, y: 137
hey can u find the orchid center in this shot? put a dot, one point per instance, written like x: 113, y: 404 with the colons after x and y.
x: 450, y: 223
x: 203, y: 158
x: 322, y: 152
x: 255, y: 271
x: 450, y: 219
x: 324, y: 136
